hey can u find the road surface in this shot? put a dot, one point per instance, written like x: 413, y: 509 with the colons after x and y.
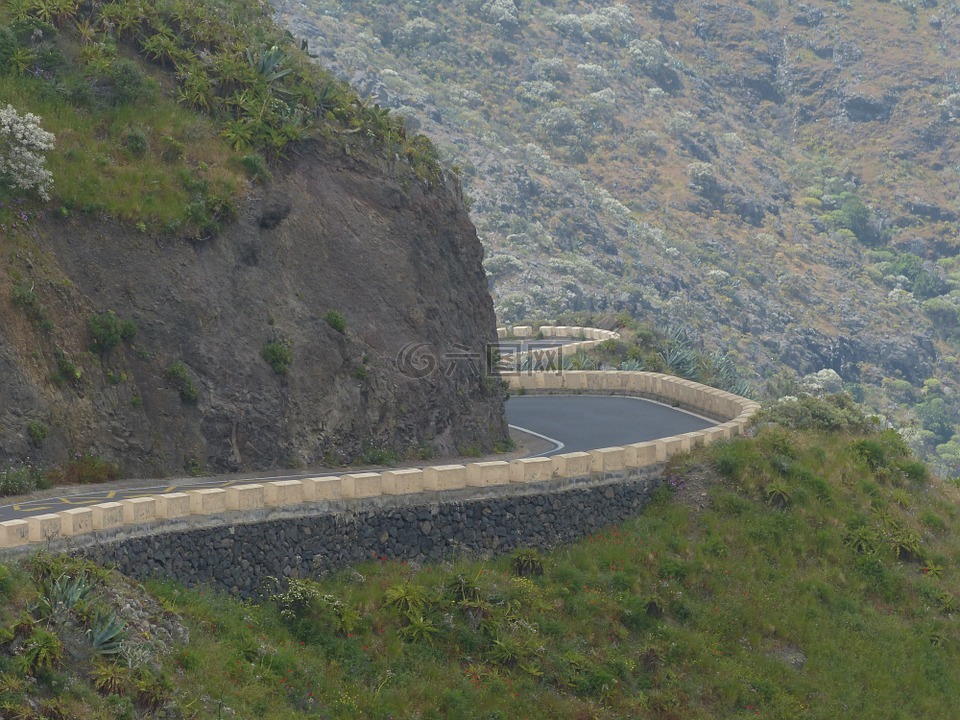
x: 587, y: 422
x: 565, y: 423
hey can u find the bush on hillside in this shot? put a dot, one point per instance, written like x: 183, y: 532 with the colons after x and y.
x: 23, y: 145
x: 831, y: 413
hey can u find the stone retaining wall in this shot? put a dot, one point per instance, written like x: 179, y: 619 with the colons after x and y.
x: 240, y: 557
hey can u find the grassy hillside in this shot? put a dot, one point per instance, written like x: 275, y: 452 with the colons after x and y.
x: 163, y: 112
x: 802, y: 573
x: 779, y: 181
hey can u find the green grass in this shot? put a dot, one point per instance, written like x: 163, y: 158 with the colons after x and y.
x: 94, y: 173
x: 163, y: 112
x: 745, y: 608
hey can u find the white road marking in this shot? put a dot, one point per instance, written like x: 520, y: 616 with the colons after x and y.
x: 558, y: 445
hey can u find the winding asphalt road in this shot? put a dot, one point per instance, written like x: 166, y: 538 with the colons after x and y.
x: 567, y: 423
x: 585, y: 422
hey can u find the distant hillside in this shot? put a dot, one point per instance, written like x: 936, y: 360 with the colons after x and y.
x: 779, y: 180
x: 234, y: 251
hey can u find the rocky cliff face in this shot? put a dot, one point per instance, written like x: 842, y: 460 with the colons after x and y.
x: 328, y: 235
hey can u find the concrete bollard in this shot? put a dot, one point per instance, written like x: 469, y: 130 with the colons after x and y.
x: 318, y: 489
x: 674, y: 445
x: 283, y: 492
x: 484, y: 474
x: 173, y: 505
x: 695, y: 438
x: 207, y: 501
x: 444, y: 477
x: 14, y: 533
x: 139, y: 510
x: 604, y: 460
x: 714, y: 434
x: 402, y: 482
x: 76, y: 521
x: 638, y: 455
x: 527, y: 470
x: 246, y: 497
x: 41, y: 528
x: 107, y: 515
x: 365, y: 484
x: 572, y: 464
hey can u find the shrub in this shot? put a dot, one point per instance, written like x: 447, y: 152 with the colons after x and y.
x: 736, y: 458
x: 336, y: 321
x: 310, y: 613
x: 278, y: 356
x: 21, y: 479
x: 87, y: 469
x: 831, y: 413
x: 418, y: 32
x: 23, y: 144
x: 177, y: 373
x: 855, y: 216
x: 26, y: 299
x: 650, y: 58
x: 255, y: 166
x: 128, y: 82
x: 8, y: 47
x: 108, y: 330
x: 37, y: 431
x: 67, y: 371
x: 379, y: 456
x: 110, y: 678
x: 136, y: 142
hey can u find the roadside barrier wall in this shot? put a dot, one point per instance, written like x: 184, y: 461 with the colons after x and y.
x: 583, y: 338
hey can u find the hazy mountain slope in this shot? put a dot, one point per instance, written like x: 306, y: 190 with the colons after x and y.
x: 778, y: 178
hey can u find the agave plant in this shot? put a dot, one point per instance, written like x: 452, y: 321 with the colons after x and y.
x: 778, y: 493
x: 64, y: 592
x: 419, y: 629
x: 863, y: 539
x: 110, y: 679
x: 461, y: 589
x: 107, y: 633
x: 43, y: 650
x: 407, y: 597
x: 267, y: 64
x: 527, y: 563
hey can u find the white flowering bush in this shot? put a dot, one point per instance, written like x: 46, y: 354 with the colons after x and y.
x: 502, y: 13
x: 552, y: 69
x: 596, y: 76
x: 601, y: 104
x: 23, y: 144
x: 537, y: 92
x: 417, y: 32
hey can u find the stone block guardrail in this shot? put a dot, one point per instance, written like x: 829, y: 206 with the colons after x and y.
x: 150, y: 514
x: 584, y: 338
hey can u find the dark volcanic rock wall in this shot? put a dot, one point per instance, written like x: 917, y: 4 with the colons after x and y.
x: 402, y: 264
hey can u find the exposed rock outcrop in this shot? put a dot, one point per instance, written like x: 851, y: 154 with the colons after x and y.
x: 401, y: 264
